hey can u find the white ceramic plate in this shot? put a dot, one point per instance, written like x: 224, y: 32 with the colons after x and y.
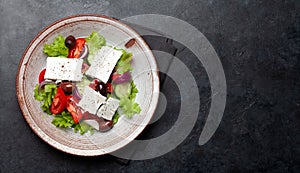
x: 145, y: 76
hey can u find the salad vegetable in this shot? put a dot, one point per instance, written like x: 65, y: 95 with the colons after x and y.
x: 124, y: 65
x: 57, y: 48
x: 127, y: 103
x: 46, y: 95
x: 107, y: 100
x: 94, y: 41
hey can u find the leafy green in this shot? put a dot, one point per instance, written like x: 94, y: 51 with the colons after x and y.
x: 63, y: 120
x: 134, y: 91
x: 83, y: 128
x: 95, y: 42
x: 116, y: 118
x: 57, y: 48
x: 45, y: 95
x: 124, y: 63
x: 128, y: 105
x: 81, y: 85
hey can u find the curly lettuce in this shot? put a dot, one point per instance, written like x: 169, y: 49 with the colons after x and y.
x: 57, y: 48
x: 128, y: 105
x: 124, y: 63
x: 45, y: 95
x: 95, y: 41
x: 65, y: 120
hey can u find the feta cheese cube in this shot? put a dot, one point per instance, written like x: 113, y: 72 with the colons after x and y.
x: 63, y: 68
x: 103, y: 64
x: 91, y: 100
x: 108, y: 109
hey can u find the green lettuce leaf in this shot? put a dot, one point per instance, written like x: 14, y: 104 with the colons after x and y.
x: 45, y: 96
x: 116, y: 118
x: 63, y: 120
x: 128, y: 105
x: 124, y: 63
x: 57, y: 48
x: 95, y: 42
x: 82, y: 127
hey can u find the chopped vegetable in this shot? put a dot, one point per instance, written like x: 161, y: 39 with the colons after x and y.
x: 76, y: 51
x: 57, y: 48
x: 122, y: 90
x: 116, y: 118
x: 83, y: 128
x: 109, y: 88
x: 46, y: 95
x: 42, y: 75
x: 125, y: 77
x: 124, y: 63
x: 128, y: 105
x: 81, y: 85
x: 74, y: 110
x: 94, y: 41
x: 59, y: 102
x: 63, y: 120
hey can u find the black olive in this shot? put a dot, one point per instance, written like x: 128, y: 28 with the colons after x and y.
x: 68, y: 87
x: 70, y: 42
x: 102, y: 88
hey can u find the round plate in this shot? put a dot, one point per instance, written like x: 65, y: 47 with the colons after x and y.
x: 145, y: 76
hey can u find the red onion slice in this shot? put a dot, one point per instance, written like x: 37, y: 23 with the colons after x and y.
x: 84, y: 67
x: 85, y: 52
x: 76, y: 94
x: 102, y: 124
x: 125, y: 77
x: 43, y: 83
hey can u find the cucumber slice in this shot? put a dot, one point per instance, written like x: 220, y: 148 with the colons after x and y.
x: 122, y: 90
x: 81, y: 85
x: 90, y: 59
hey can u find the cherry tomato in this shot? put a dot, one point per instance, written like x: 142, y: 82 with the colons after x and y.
x: 59, y: 102
x: 75, y: 52
x: 42, y: 75
x: 74, y: 110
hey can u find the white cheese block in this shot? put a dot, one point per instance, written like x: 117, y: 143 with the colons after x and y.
x: 63, y: 69
x: 108, y: 109
x: 103, y: 64
x: 91, y: 100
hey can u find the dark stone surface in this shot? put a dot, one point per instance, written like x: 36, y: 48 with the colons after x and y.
x: 258, y: 43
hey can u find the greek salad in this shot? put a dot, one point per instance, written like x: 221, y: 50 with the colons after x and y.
x: 86, y: 83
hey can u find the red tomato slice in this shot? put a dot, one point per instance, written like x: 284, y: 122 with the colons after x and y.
x: 59, y: 102
x: 109, y: 87
x: 42, y: 75
x: 74, y: 110
x: 75, y: 52
x: 95, y: 84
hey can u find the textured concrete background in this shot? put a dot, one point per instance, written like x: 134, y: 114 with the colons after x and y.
x: 258, y: 43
